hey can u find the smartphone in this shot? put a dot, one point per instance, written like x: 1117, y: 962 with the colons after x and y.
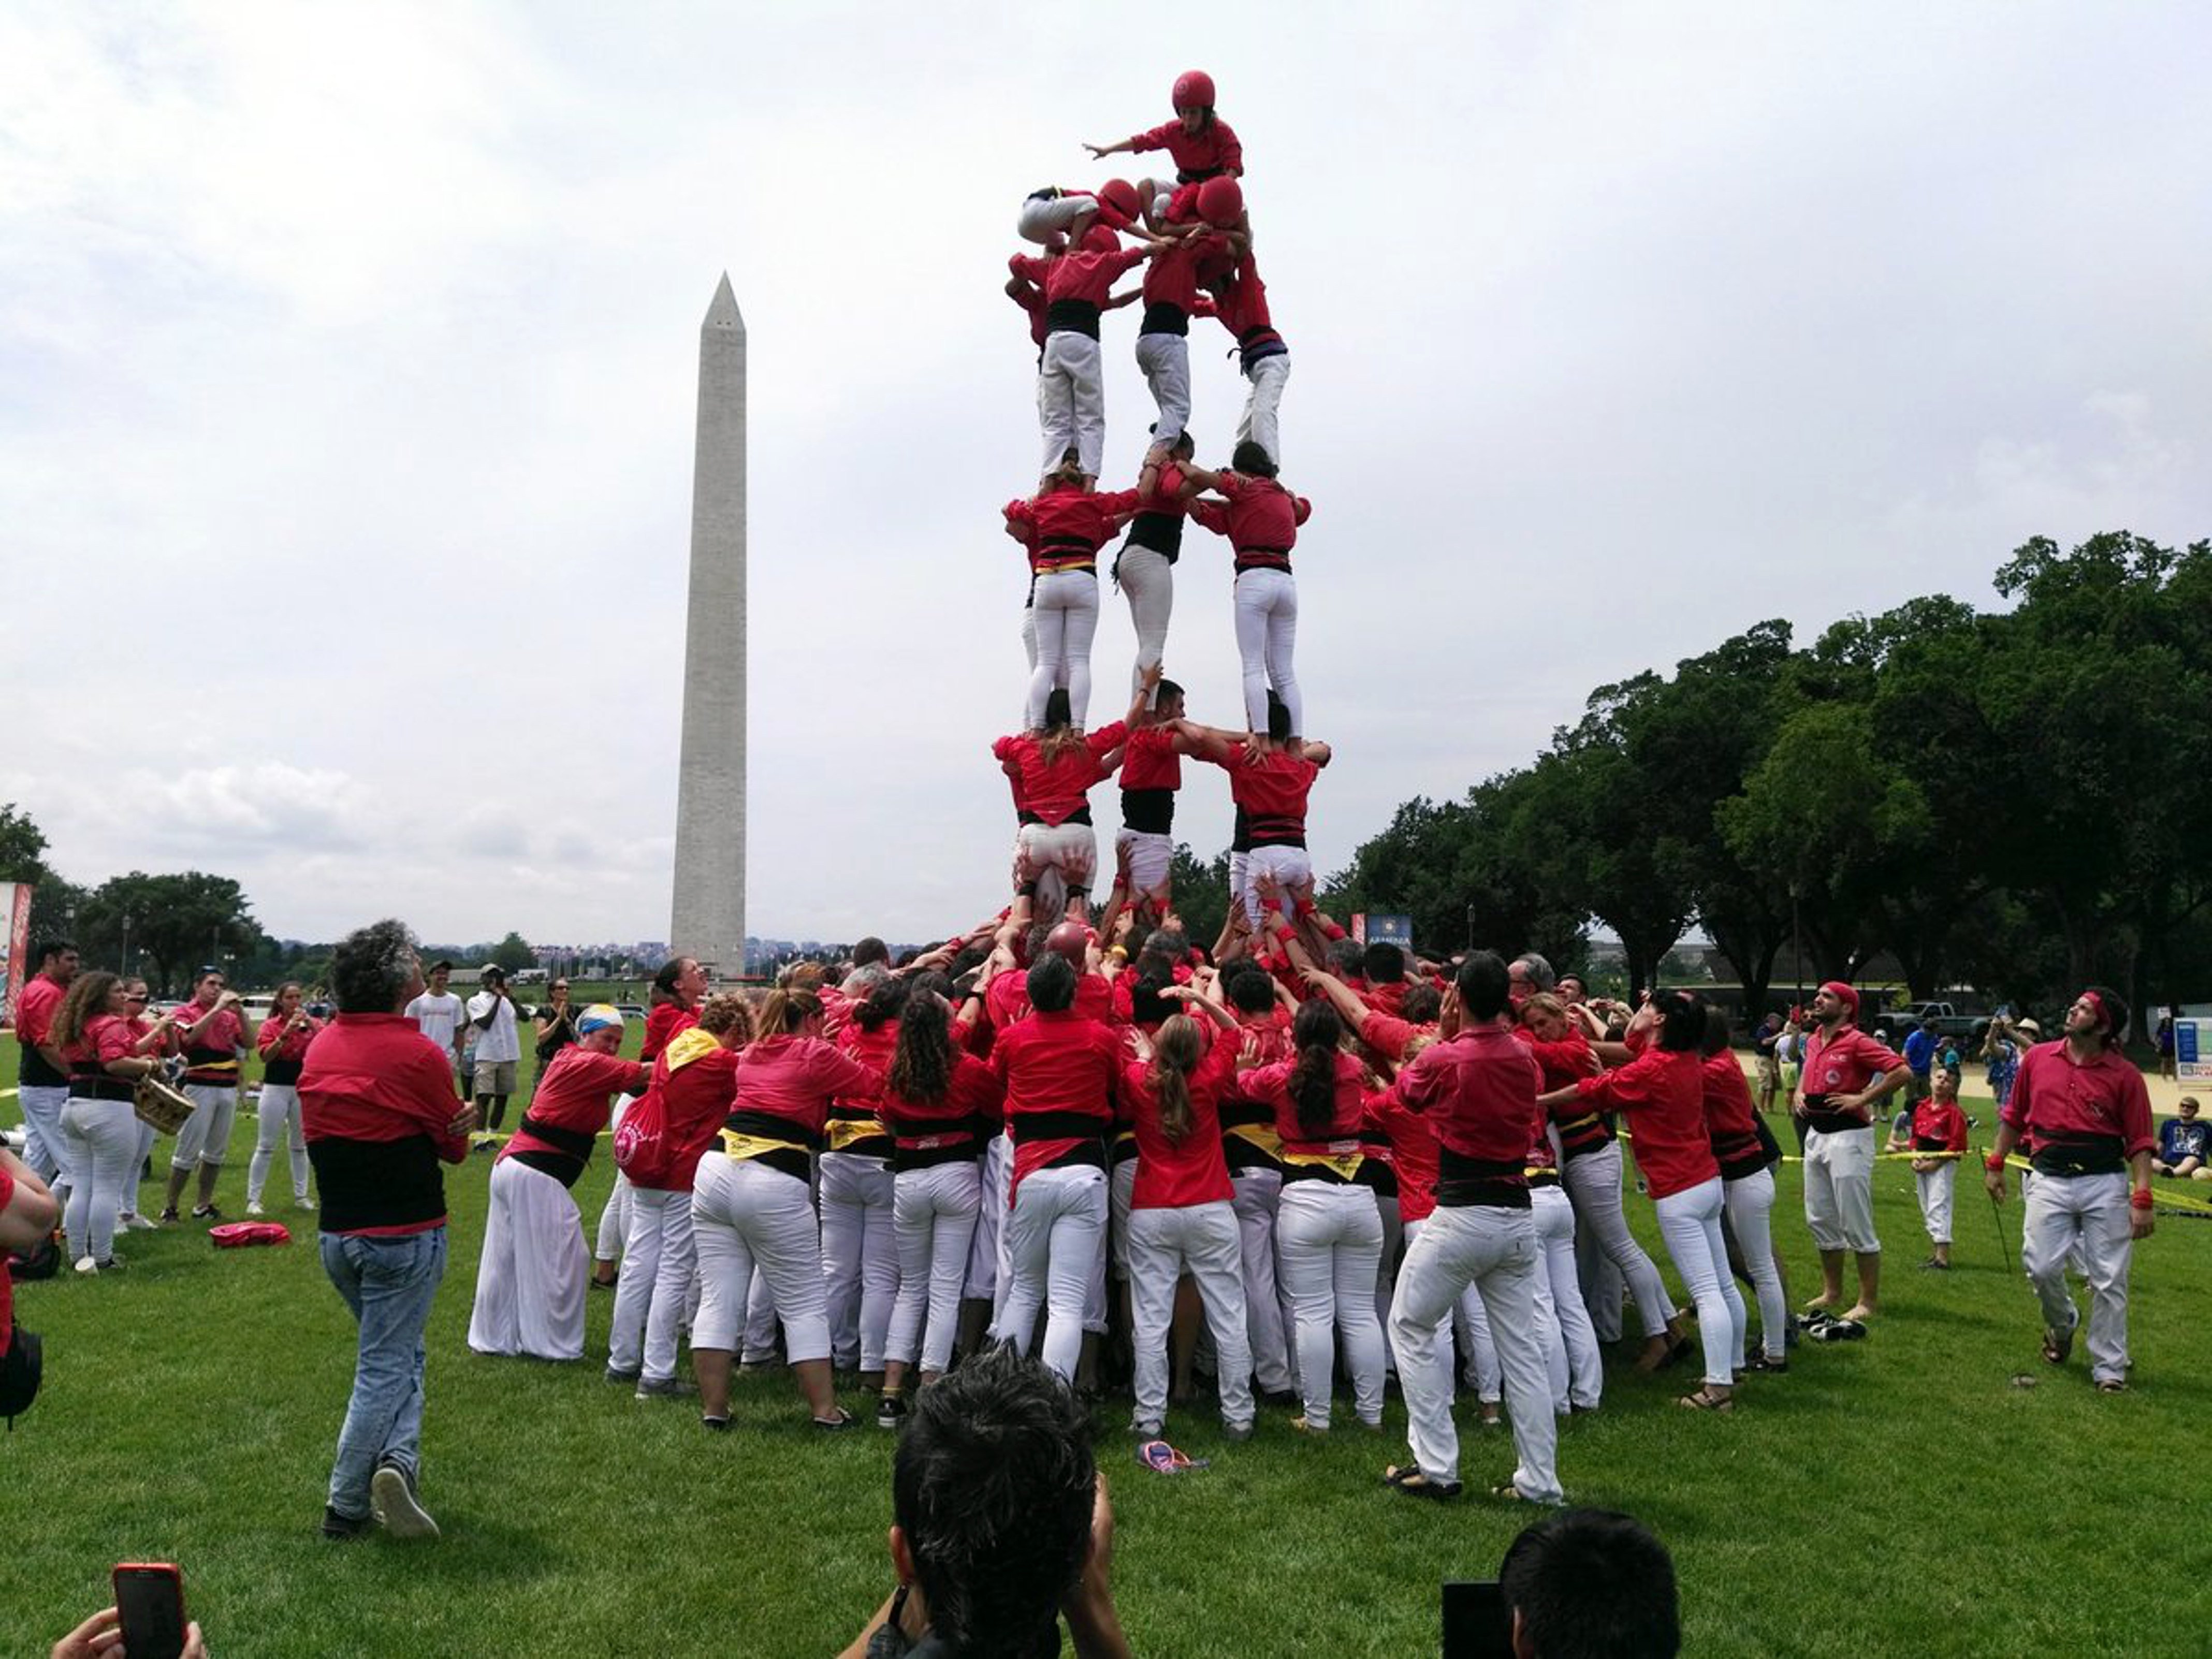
x: 1477, y: 1623
x: 150, y: 1596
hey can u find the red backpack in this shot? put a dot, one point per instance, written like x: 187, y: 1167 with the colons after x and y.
x: 642, y: 1148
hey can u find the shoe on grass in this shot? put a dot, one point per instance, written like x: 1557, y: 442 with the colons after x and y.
x: 206, y: 1212
x: 620, y: 1378
x: 254, y: 1207
x: 1146, y: 1428
x: 392, y: 1500
x: 341, y: 1528
x: 664, y: 1388
x: 891, y: 1412
x: 133, y: 1222
x: 1236, y: 1431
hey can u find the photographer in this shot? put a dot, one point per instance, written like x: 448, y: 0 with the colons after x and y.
x: 498, y: 1046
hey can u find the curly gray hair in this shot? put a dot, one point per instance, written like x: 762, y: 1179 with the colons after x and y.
x: 371, y: 967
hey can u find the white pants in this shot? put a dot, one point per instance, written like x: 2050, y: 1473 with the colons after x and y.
x: 1577, y: 1369
x: 760, y: 1319
x: 99, y: 1139
x: 141, y: 1157
x: 1120, y: 1194
x: 1839, y: 1190
x: 1936, y: 1188
x: 278, y: 1112
x: 1260, y: 421
x: 1257, y: 1195
x: 934, y: 1213
x: 1066, y: 617
x: 860, y: 1257
x: 1494, y: 1249
x: 1148, y: 583
x: 1593, y: 1183
x: 1042, y: 218
x: 530, y: 1279
x: 1690, y: 1222
x: 614, y: 1214
x: 1750, y: 1204
x: 1267, y: 644
x: 1148, y: 857
x: 1386, y: 1265
x: 1072, y: 400
x: 1070, y: 850
x: 2090, y: 1213
x: 757, y: 1223
x: 42, y: 1130
x: 1328, y: 1240
x: 1165, y: 360
x: 205, y: 1136
x: 657, y: 1260
x: 1055, y: 1231
x: 1484, y: 1374
x: 1200, y: 1240
x: 1291, y: 866
x: 990, y: 1222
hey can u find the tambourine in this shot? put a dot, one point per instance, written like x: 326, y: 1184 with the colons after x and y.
x: 160, y: 1105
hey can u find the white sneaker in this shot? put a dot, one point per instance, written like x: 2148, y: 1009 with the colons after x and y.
x: 136, y: 1223
x: 87, y: 1266
x: 254, y: 1207
x: 391, y: 1502
x: 304, y: 1204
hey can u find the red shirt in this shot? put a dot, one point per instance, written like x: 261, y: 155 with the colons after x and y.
x: 1412, y: 1151
x: 7, y: 1285
x: 973, y: 1096
x: 275, y: 1042
x: 1089, y: 277
x: 1388, y: 1035
x: 1938, y: 1126
x: 1663, y: 1092
x: 1241, y: 302
x: 1055, y: 1062
x: 2061, y: 1098
x: 35, y: 1007
x: 695, y: 1097
x: 853, y: 1125
x: 377, y: 1107
x: 210, y: 1058
x: 1212, y: 148
x: 1064, y: 528
x: 574, y: 1094
x: 1052, y: 791
x: 105, y: 1037
x: 1257, y: 514
x: 796, y: 1077
x: 1272, y: 1084
x: 1006, y: 1000
x: 1172, y: 277
x: 1272, y: 790
x: 1150, y: 759
x: 1478, y: 1090
x: 1842, y: 1064
x: 662, y: 1023
x: 1029, y: 296
x: 1731, y: 1120
x: 1175, y: 1174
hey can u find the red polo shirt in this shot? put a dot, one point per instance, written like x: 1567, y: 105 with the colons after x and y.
x: 1150, y: 759
x: 376, y: 1106
x: 1174, y: 1175
x: 1213, y: 147
x: 2057, y: 1096
x: 1055, y: 1062
x: 40, y: 999
x: 1478, y: 1092
x: 1062, y: 526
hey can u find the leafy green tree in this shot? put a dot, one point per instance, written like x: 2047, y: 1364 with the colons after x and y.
x: 175, y: 921
x: 22, y: 845
x: 513, y: 953
x: 1201, y: 893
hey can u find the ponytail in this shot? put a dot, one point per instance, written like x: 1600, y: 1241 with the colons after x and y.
x: 1175, y: 1055
x: 1317, y: 1031
x: 783, y: 1012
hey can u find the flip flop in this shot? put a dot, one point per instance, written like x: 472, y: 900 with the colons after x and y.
x: 1704, y: 1400
x: 1161, y: 1458
x: 2111, y: 1385
x: 1410, y: 1480
x: 2057, y: 1345
x: 1513, y: 1494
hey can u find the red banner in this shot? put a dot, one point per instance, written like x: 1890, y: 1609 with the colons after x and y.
x: 19, y: 941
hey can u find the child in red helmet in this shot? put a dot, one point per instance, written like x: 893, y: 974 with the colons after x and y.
x: 1200, y: 142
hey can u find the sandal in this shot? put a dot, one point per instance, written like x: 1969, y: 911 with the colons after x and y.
x: 1410, y: 1480
x: 1704, y: 1400
x: 2112, y: 1385
x: 1513, y: 1494
x: 844, y: 1419
x: 2057, y: 1345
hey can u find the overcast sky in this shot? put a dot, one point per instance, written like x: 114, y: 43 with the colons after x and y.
x: 348, y: 361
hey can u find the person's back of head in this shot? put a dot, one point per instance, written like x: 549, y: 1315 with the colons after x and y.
x: 993, y: 1488
x: 1591, y: 1585
x: 1383, y: 963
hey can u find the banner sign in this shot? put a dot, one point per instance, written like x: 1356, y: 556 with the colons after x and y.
x: 12, y: 970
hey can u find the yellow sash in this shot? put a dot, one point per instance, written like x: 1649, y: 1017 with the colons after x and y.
x: 686, y: 1046
x: 743, y: 1146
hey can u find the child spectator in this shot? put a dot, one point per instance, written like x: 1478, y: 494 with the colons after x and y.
x: 1938, y: 1127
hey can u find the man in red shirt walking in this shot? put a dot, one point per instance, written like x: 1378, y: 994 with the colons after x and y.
x: 376, y: 1101
x: 2089, y: 1111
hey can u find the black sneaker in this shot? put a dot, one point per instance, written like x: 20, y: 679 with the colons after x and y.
x: 206, y: 1212
x: 891, y: 1412
x: 341, y: 1528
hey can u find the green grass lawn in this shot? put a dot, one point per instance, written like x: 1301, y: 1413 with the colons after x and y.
x: 1898, y: 1496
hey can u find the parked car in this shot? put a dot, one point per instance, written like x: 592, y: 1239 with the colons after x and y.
x: 1949, y: 1022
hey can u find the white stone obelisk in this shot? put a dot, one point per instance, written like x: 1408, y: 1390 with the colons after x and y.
x: 709, y: 919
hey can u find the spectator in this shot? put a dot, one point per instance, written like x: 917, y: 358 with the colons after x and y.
x: 2166, y: 1041
x: 1920, y: 1052
x: 555, y: 1023
x: 100, y: 1636
x: 498, y: 1046
x: 2185, y: 1145
x: 1770, y: 1072
x: 999, y: 1522
x: 437, y: 1012
x: 1590, y: 1583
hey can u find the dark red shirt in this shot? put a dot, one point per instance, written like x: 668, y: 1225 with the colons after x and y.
x: 377, y: 1107
x: 2058, y: 1097
x: 1151, y: 760
x: 1272, y: 790
x: 1256, y: 513
x: 1938, y: 1126
x: 1663, y: 1092
x: 1478, y: 1092
x: 1212, y: 148
x: 1055, y: 1062
x: 1062, y: 527
x: 662, y: 1023
x: 1052, y: 791
x: 970, y: 1108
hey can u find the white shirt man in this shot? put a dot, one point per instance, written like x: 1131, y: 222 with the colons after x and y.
x: 438, y: 1012
x: 498, y: 1045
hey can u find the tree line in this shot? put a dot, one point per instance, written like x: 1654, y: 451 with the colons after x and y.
x: 2018, y: 799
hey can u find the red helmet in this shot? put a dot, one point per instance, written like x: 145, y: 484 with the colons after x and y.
x: 1071, y: 939
x: 1193, y: 89
x: 1220, y: 200
x: 1120, y: 195
x: 1101, y: 239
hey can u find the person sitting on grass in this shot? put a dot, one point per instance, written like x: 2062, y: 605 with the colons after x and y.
x: 2185, y: 1145
x: 1000, y: 1523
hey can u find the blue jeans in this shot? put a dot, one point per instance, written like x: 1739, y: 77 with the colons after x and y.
x: 389, y: 1284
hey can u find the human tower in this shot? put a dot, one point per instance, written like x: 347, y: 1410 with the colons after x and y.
x: 1193, y: 237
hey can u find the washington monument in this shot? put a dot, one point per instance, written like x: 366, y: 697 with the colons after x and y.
x: 709, y: 919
